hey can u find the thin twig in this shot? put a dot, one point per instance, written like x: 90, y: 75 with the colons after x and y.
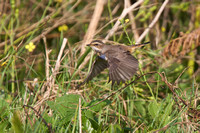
x: 58, y: 61
x: 176, y: 81
x: 57, y: 66
x: 132, y: 20
x: 47, y: 66
x: 52, y: 78
x: 124, y: 13
x: 169, y: 125
x: 153, y: 22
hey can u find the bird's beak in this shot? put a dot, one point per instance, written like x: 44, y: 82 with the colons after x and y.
x: 87, y: 44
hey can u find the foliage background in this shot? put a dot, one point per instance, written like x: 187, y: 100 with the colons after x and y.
x: 38, y: 87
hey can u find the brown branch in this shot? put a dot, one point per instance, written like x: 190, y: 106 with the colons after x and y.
x: 124, y: 13
x: 93, y: 24
x: 58, y: 61
x: 153, y: 22
x: 43, y: 120
x: 47, y: 65
x: 133, y: 24
x: 167, y: 126
x: 92, y: 29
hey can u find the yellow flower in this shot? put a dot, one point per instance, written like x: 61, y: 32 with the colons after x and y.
x: 126, y: 20
x: 30, y: 47
x: 163, y: 29
x: 63, y: 28
x: 59, y: 1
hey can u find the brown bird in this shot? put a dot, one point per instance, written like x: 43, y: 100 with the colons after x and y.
x: 117, y: 58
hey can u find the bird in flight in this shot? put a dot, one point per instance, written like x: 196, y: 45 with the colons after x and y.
x: 117, y: 58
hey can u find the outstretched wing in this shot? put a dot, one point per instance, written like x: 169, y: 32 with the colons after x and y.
x: 97, y: 67
x: 122, y: 66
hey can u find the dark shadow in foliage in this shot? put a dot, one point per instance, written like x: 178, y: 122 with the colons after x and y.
x: 90, y: 113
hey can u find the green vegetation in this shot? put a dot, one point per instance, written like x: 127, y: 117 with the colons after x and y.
x: 39, y: 71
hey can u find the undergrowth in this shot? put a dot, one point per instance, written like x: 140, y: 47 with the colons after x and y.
x: 43, y: 58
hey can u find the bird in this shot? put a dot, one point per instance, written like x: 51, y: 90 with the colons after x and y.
x: 122, y: 65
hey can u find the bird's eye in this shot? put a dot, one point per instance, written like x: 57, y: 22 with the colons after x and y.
x: 95, y: 44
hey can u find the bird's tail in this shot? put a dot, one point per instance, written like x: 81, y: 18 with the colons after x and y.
x: 133, y: 47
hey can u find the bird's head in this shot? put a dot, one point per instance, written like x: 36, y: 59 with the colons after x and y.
x: 96, y: 45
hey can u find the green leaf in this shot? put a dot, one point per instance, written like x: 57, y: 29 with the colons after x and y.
x: 94, y: 123
x: 3, y: 125
x: 17, y: 123
x: 81, y: 59
x: 87, y: 125
x: 166, y: 117
x: 99, y: 106
x: 115, y: 129
x: 146, y: 2
x: 90, y: 113
x: 153, y: 109
x: 65, y: 106
x: 3, y: 107
x: 140, y: 107
x: 153, y: 8
x: 4, y: 112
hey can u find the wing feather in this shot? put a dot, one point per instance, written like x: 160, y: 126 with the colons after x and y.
x: 97, y: 67
x: 122, y: 66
